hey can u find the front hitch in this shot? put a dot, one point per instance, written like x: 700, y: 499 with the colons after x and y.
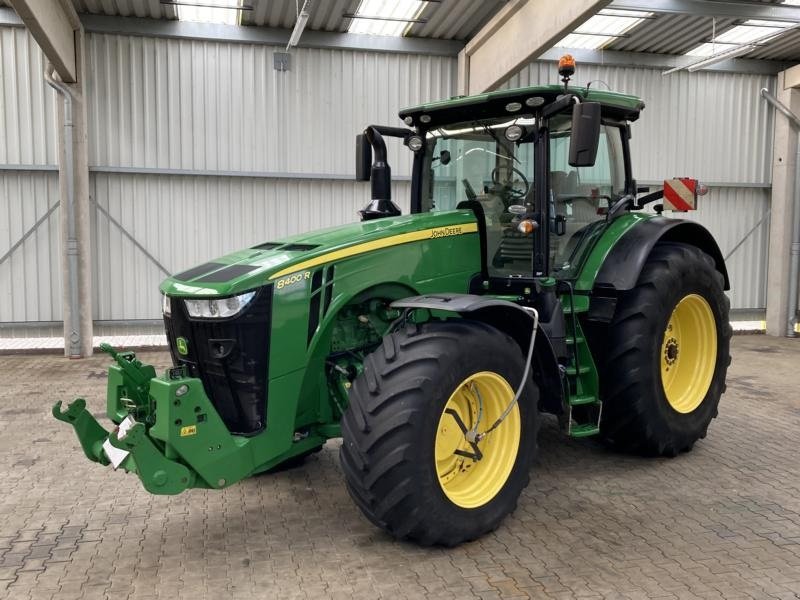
x: 168, y: 430
x: 159, y: 475
x: 170, y: 433
x: 90, y: 433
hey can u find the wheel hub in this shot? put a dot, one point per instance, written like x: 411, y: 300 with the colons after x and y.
x: 671, y: 351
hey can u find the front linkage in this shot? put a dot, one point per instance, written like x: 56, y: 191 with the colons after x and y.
x: 175, y: 439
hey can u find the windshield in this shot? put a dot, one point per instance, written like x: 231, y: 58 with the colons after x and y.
x: 492, y: 162
x: 477, y: 161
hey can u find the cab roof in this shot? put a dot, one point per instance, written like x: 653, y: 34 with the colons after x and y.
x: 495, y: 104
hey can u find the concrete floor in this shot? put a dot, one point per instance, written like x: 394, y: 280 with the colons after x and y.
x: 720, y: 522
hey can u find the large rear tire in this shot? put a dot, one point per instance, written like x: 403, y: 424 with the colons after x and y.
x: 404, y: 454
x: 668, y: 354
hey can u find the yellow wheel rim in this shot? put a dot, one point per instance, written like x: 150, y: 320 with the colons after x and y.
x: 482, y: 398
x: 688, y: 353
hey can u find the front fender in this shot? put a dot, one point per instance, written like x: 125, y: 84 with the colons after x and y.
x: 511, y: 319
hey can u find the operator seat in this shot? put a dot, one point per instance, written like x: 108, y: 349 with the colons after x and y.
x: 575, y: 204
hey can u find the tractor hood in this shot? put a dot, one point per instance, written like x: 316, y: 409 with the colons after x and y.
x: 253, y: 267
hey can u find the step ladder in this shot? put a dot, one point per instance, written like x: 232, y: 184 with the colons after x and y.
x: 583, y: 408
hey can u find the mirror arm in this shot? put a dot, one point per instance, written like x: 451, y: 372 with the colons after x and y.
x: 398, y: 132
x: 619, y: 206
x: 559, y: 105
x: 635, y: 203
x: 652, y: 197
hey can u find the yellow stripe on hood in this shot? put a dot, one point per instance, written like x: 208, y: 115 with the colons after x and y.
x: 387, y: 242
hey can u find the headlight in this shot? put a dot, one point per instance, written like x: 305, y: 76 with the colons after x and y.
x: 218, y: 308
x: 415, y: 143
x: 166, y: 306
x: 513, y: 133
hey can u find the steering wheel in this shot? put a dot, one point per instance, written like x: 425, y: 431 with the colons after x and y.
x: 513, y: 192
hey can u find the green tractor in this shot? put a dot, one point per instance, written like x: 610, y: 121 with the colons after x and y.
x: 526, y: 280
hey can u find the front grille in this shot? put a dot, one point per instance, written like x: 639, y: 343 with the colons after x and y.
x: 230, y: 357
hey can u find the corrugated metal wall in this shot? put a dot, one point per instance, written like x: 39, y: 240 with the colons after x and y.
x: 30, y: 278
x: 30, y: 282
x: 222, y: 107
x: 709, y: 125
x: 184, y: 220
x: 27, y: 104
x: 739, y: 220
x: 158, y: 104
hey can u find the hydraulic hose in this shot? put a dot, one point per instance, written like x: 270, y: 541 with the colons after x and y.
x: 534, y: 314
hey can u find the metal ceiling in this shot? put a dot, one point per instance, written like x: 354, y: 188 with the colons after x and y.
x: 663, y: 33
x: 326, y: 15
x: 786, y: 47
x: 666, y: 33
x: 446, y: 19
x: 455, y: 19
x: 669, y: 34
x: 126, y: 8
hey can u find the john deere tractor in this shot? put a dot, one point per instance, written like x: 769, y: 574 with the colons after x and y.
x: 531, y: 276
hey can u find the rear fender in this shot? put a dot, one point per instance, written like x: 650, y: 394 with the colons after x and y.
x: 625, y: 261
x: 512, y: 320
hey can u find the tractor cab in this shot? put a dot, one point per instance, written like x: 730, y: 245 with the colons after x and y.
x: 541, y: 167
x: 491, y: 166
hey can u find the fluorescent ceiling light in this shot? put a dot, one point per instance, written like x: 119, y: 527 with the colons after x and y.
x: 612, y: 22
x: 751, y: 31
x: 735, y: 42
x: 388, y: 9
x: 300, y: 24
x: 205, y: 12
x: 720, y: 56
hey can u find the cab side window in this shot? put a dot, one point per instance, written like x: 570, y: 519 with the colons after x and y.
x: 580, y: 196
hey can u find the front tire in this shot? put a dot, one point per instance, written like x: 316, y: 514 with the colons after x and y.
x: 668, y: 354
x: 404, y: 454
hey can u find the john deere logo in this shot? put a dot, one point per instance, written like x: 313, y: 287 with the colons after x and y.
x: 182, y: 345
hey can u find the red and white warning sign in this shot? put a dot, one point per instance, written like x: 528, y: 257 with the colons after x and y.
x: 680, y: 194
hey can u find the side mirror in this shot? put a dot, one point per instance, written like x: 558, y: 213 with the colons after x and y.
x: 585, y: 134
x: 444, y: 157
x: 363, y: 158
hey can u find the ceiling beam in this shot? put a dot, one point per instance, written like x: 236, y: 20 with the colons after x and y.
x: 731, y: 9
x: 517, y: 34
x: 52, y: 24
x: 266, y: 35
